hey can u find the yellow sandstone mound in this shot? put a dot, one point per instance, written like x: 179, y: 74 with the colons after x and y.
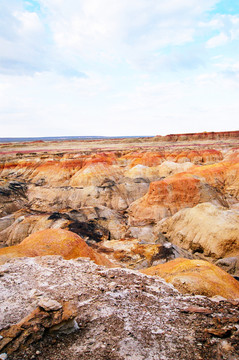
x: 156, y: 172
x: 96, y: 174
x: 196, y: 277
x: 53, y: 242
x: 26, y: 225
x: 206, y: 228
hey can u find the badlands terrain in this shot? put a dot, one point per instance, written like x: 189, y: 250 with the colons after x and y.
x: 120, y: 248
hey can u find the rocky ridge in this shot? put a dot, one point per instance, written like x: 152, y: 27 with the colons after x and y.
x: 114, y: 314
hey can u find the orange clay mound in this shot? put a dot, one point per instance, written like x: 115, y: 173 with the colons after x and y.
x: 166, y: 197
x: 223, y: 175
x: 197, y: 277
x: 148, y: 159
x: 103, y: 158
x: 194, y: 156
x: 56, y: 172
x: 53, y: 242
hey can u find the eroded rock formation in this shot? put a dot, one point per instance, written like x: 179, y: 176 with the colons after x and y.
x: 137, y: 203
x: 53, y: 242
x: 197, y: 277
x: 201, y: 136
x: 168, y: 196
x: 205, y: 228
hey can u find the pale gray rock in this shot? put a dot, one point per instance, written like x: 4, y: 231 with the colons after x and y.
x: 121, y: 314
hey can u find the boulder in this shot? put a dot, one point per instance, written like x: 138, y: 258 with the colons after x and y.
x: 230, y: 265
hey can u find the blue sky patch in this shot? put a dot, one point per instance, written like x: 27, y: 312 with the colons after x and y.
x: 227, y: 7
x: 32, y: 6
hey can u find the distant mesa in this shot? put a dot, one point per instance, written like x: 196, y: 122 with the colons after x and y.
x: 201, y: 136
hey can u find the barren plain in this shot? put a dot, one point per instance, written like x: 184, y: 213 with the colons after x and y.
x: 124, y: 248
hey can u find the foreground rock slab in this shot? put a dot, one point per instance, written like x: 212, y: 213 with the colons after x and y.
x: 120, y: 314
x: 32, y: 327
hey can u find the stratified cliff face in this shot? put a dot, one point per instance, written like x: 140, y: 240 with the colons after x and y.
x: 201, y: 136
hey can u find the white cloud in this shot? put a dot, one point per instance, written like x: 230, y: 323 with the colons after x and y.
x: 22, y: 42
x: 226, y: 25
x: 119, y: 30
x: 218, y: 40
x: 50, y: 104
x: 225, y: 76
x: 70, y: 36
x: 116, y: 67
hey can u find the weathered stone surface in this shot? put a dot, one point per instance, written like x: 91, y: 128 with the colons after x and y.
x: 49, y: 304
x: 32, y: 327
x: 170, y: 195
x: 137, y: 254
x: 197, y: 277
x: 206, y: 228
x: 121, y: 314
x: 229, y: 264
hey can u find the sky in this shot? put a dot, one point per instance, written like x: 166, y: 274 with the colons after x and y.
x: 115, y: 68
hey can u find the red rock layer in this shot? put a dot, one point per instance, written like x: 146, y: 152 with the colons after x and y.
x: 201, y: 136
x: 148, y: 158
x: 166, y: 197
x: 103, y: 158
